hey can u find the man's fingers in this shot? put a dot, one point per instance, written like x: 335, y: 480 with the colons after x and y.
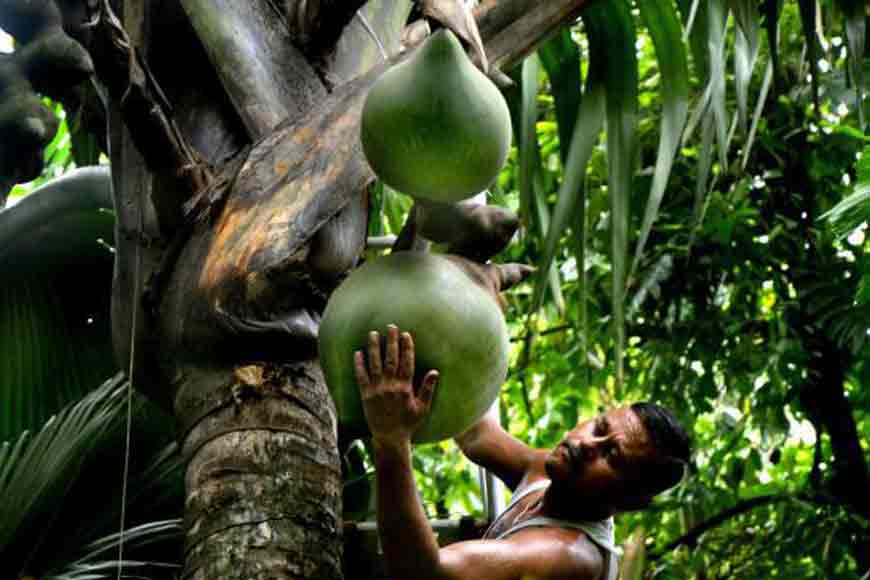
x: 391, y: 362
x: 359, y: 367
x: 406, y: 357
x: 375, y: 370
x: 427, y: 389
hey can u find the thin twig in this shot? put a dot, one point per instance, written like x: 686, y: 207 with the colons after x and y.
x: 551, y: 330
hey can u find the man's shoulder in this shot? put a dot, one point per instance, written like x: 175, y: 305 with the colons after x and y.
x: 568, y: 553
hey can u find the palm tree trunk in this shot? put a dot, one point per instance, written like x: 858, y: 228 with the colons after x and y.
x: 264, y: 482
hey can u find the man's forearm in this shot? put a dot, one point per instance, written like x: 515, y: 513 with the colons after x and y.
x: 409, y: 546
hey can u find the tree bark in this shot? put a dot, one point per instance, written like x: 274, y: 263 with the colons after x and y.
x: 264, y: 483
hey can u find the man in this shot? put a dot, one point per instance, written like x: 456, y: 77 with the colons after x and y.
x: 558, y: 525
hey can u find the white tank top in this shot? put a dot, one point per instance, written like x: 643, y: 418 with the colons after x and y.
x: 599, y: 532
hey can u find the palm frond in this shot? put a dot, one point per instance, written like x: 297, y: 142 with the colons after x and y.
x: 528, y: 138
x: 610, y: 27
x: 93, y: 564
x: 663, y: 24
x: 746, y: 47
x: 532, y: 193
x: 856, y: 36
x: 57, y: 487
x: 717, y: 17
x: 571, y: 197
x: 56, y: 345
x: 851, y: 212
x: 42, y: 467
x: 560, y: 58
x: 756, y: 116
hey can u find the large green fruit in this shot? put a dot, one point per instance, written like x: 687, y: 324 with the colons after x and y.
x: 434, y: 126
x: 457, y: 327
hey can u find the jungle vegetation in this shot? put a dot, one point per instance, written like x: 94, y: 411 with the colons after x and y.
x: 692, y: 182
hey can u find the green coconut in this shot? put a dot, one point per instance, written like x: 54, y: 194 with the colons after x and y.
x: 457, y: 327
x: 435, y: 127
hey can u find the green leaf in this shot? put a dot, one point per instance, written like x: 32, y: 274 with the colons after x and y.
x: 553, y: 279
x: 771, y: 24
x: 62, y: 486
x: 856, y: 35
x: 55, y: 344
x: 560, y: 57
x: 705, y: 164
x: 851, y: 212
x: 528, y: 138
x: 661, y: 20
x: 694, y: 14
x: 41, y: 469
x: 717, y: 18
x: 756, y: 116
x: 745, y: 53
x: 395, y: 208
x: 571, y: 197
x: 610, y: 28
x: 531, y: 191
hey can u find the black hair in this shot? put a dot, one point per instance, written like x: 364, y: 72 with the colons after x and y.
x: 672, y: 445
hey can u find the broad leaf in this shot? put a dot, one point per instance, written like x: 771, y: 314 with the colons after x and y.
x: 56, y: 266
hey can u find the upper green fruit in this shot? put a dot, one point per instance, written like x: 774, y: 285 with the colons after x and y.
x: 434, y: 126
x: 457, y: 328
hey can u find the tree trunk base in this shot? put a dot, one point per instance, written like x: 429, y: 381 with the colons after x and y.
x: 264, y: 502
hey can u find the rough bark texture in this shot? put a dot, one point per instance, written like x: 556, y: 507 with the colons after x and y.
x: 513, y: 29
x: 264, y: 485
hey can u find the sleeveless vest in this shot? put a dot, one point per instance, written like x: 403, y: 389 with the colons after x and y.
x: 599, y: 532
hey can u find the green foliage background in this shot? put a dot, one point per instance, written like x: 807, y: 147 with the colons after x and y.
x: 748, y: 296
x: 734, y: 264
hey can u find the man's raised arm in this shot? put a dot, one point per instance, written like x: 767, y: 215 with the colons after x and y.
x: 394, y: 411
x: 490, y: 446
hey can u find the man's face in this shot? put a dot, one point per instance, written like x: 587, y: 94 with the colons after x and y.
x: 595, y: 459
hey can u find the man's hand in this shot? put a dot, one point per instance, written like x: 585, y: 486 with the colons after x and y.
x: 393, y: 409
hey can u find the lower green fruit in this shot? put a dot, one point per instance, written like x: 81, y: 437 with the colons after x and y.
x: 457, y: 327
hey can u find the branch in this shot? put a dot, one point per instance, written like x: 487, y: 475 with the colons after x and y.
x: 143, y: 106
x: 317, y: 24
x: 691, y: 537
x: 511, y: 29
x: 251, y: 48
